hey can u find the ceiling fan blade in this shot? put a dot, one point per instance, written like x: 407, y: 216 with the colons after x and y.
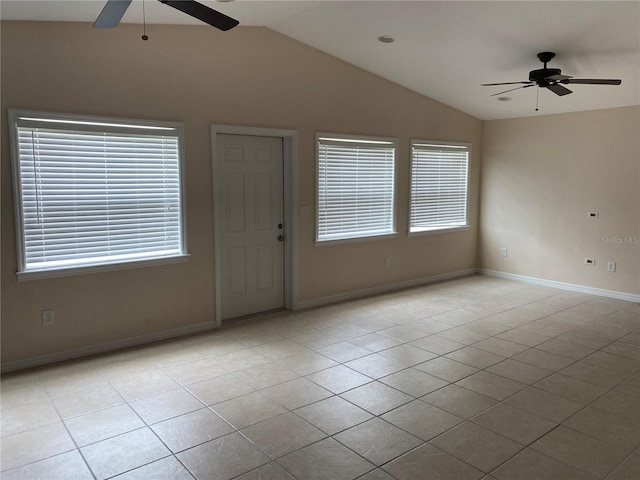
x: 511, y: 90
x: 204, y: 13
x: 111, y: 13
x: 594, y: 81
x: 503, y: 83
x: 558, y: 77
x: 559, y: 89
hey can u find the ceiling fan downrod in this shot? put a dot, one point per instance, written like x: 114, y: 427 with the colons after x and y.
x: 552, y: 79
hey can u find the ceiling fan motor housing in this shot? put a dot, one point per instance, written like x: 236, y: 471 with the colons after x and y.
x: 552, y: 78
x: 540, y: 76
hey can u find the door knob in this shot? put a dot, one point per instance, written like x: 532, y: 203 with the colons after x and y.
x: 281, y: 238
x: 280, y: 226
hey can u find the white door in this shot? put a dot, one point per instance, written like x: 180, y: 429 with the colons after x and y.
x: 250, y: 178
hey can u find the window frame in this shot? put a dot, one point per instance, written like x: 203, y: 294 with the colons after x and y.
x: 363, y: 139
x: 467, y: 146
x: 105, y: 124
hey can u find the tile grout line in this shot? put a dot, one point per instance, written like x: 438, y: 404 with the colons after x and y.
x: 403, y: 343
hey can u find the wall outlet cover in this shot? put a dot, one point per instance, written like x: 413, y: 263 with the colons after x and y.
x: 48, y: 318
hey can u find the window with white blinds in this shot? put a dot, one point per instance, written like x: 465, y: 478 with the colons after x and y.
x: 439, y: 176
x: 95, y: 191
x: 356, y: 179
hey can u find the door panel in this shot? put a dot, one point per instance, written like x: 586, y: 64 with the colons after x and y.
x: 264, y: 264
x: 237, y: 272
x: 264, y: 208
x: 252, y: 267
x: 234, y: 201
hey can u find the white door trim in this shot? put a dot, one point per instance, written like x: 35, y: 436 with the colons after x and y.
x: 290, y: 159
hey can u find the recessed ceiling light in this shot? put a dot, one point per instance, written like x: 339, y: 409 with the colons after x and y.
x: 386, y: 39
x: 504, y: 99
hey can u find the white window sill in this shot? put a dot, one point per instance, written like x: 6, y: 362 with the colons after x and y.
x: 65, y: 272
x: 325, y: 243
x: 438, y: 230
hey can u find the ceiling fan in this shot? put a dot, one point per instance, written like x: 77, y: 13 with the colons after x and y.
x: 552, y: 79
x: 114, y: 10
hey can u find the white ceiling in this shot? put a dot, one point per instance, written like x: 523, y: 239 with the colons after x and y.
x: 443, y: 50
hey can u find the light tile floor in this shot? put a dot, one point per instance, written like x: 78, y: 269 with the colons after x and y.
x: 476, y: 378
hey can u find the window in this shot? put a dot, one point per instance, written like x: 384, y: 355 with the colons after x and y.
x: 355, y: 187
x: 95, y: 191
x: 439, y: 174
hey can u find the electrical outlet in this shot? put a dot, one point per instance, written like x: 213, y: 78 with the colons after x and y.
x: 48, y: 318
x: 611, y: 267
x: 503, y: 252
x: 387, y: 262
x: 589, y: 261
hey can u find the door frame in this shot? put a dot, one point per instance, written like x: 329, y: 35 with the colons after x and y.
x: 290, y: 195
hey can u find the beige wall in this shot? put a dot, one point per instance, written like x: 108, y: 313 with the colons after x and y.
x: 199, y: 76
x: 540, y: 177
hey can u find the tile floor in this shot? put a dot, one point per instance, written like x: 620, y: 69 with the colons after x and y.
x: 477, y: 378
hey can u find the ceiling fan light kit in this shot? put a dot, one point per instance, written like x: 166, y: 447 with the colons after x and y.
x: 552, y: 79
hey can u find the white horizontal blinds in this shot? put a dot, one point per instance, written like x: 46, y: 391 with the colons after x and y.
x: 438, y: 186
x: 96, y: 194
x: 355, y: 188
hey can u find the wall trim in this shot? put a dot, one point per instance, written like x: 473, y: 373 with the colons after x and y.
x: 384, y: 289
x: 290, y: 185
x: 50, y: 358
x: 561, y: 285
x: 47, y: 359
x: 88, y: 350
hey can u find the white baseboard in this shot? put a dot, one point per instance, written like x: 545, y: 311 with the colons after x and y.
x: 341, y: 297
x: 561, y: 285
x: 201, y: 327
x: 105, y: 347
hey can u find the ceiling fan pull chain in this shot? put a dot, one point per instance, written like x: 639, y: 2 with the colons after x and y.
x: 113, y: 11
x: 551, y: 79
x: 144, y: 23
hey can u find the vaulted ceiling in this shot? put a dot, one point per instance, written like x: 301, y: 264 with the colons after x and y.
x: 443, y: 50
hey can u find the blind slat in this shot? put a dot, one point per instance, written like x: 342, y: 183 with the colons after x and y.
x: 97, y: 195
x: 355, y: 188
x: 439, y: 177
